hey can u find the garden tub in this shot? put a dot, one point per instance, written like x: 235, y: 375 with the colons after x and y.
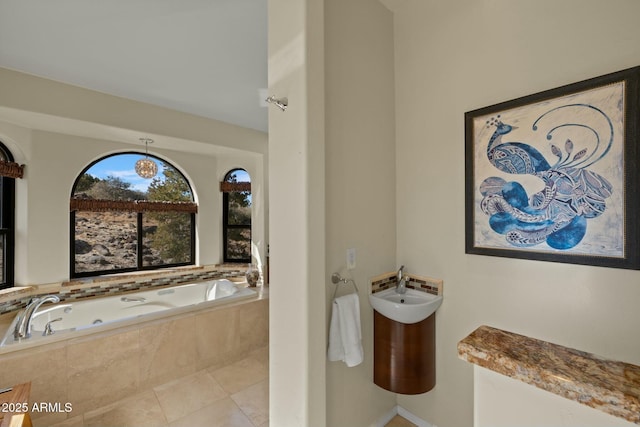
x: 100, y: 313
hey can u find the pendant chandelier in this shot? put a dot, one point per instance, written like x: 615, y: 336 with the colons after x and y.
x: 146, y: 167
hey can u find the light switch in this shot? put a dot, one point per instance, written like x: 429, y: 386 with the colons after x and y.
x: 351, y: 258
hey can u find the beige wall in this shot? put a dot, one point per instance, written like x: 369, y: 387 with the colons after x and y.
x: 66, y: 108
x: 456, y: 56
x: 506, y: 402
x: 360, y: 184
x: 332, y: 185
x: 296, y: 220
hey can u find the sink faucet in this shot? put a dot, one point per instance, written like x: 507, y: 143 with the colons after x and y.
x: 23, y: 327
x: 401, y: 285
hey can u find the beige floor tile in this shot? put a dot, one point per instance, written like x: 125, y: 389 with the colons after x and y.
x: 223, y: 413
x: 70, y: 422
x: 262, y: 356
x: 254, y: 402
x: 53, y: 418
x: 138, y: 411
x: 398, y: 421
x: 240, y: 375
x: 189, y: 394
x: 232, y: 396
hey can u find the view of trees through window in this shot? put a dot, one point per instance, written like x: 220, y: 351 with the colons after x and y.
x: 237, y: 225
x: 113, y: 239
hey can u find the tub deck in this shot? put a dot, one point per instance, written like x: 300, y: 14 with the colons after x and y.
x: 133, y: 313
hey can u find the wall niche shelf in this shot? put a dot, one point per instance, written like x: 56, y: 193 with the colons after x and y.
x: 610, y: 386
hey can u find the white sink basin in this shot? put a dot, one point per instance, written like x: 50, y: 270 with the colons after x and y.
x: 411, y: 307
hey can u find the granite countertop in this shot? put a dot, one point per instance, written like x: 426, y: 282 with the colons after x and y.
x: 607, y: 385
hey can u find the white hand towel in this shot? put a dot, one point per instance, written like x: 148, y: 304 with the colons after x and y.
x: 345, y: 336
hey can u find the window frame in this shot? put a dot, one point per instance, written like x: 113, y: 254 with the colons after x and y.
x: 226, y: 226
x: 139, y: 230
x: 7, y: 224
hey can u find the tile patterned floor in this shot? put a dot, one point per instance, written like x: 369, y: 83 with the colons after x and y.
x: 236, y: 395
x: 398, y: 421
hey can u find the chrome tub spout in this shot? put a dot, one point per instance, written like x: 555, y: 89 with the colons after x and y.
x: 23, y: 327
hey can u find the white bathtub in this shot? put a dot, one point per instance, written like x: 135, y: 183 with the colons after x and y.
x: 101, y: 312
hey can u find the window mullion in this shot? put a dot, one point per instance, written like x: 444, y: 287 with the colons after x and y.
x: 140, y: 233
x: 4, y: 274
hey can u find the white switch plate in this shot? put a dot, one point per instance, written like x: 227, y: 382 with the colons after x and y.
x: 351, y: 258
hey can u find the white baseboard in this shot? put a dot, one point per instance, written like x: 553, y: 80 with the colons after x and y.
x: 383, y: 420
x: 398, y: 410
x: 413, y: 418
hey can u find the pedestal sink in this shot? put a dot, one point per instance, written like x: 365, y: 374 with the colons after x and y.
x: 410, y: 307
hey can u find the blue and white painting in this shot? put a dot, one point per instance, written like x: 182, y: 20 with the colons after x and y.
x: 549, y: 176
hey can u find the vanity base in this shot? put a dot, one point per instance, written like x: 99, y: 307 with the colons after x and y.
x: 404, y: 359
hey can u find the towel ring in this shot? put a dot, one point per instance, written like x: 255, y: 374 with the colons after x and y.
x: 336, y: 279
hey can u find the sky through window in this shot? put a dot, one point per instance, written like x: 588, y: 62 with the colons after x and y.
x: 123, y: 166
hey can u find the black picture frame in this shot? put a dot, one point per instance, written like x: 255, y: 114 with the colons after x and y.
x: 553, y: 176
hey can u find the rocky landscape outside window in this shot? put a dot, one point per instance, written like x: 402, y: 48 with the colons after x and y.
x: 121, y: 222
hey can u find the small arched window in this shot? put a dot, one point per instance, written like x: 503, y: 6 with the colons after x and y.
x: 123, y: 222
x: 236, y: 216
x: 7, y: 215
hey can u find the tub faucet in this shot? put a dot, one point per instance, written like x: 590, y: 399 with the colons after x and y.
x: 401, y: 285
x: 23, y: 327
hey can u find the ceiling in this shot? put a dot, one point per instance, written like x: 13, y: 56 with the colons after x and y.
x: 204, y: 57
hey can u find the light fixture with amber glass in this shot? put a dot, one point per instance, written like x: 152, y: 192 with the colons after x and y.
x: 146, y: 167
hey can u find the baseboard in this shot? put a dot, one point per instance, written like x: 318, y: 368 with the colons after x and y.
x: 384, y: 419
x: 413, y: 418
x: 398, y: 410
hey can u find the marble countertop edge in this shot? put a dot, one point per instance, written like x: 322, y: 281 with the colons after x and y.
x: 610, y: 386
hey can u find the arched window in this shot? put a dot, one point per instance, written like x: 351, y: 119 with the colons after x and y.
x: 7, y: 215
x: 123, y: 222
x: 236, y: 216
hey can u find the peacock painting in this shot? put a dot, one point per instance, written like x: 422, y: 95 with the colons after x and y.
x: 549, y: 176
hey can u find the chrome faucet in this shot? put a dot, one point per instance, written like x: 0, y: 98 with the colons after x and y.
x: 401, y: 284
x: 23, y: 327
x: 48, y: 330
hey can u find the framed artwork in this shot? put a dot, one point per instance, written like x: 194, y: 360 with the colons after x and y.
x: 554, y: 176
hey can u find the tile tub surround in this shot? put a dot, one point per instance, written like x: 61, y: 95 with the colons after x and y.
x: 15, y: 299
x: 610, y: 386
x: 419, y: 283
x: 97, y: 370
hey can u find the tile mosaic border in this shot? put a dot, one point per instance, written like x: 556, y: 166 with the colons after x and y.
x: 383, y: 282
x: 419, y: 283
x: 105, y: 286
